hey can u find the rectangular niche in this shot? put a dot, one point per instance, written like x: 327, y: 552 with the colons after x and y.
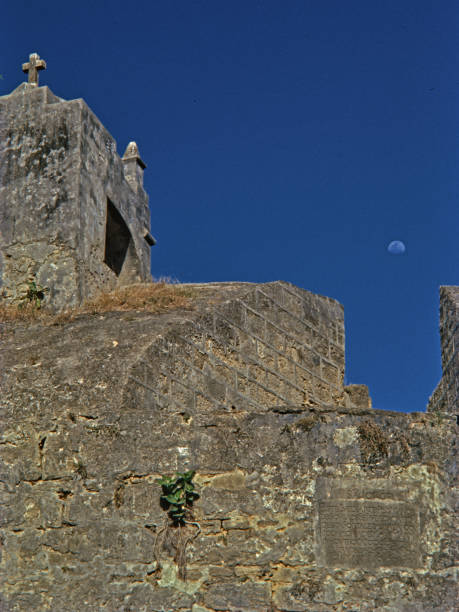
x: 117, y: 239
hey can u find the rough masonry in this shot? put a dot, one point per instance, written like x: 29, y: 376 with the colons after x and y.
x: 310, y: 499
x: 73, y: 215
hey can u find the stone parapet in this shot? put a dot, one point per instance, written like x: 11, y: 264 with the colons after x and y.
x: 267, y: 345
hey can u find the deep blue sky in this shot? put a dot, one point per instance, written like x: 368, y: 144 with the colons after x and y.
x: 284, y: 140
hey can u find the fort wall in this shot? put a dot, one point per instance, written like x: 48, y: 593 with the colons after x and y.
x: 307, y: 501
x: 446, y: 395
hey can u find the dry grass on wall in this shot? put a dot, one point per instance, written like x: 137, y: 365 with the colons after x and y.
x: 156, y: 297
x: 374, y: 442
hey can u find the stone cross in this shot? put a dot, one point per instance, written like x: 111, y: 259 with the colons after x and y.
x: 33, y: 66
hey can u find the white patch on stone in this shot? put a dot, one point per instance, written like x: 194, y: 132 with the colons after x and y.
x: 311, y: 488
x: 345, y: 437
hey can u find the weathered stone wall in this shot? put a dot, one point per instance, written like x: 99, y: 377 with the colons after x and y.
x: 58, y: 167
x: 39, y: 214
x: 308, y: 503
x: 267, y: 346
x: 102, y: 178
x: 446, y: 395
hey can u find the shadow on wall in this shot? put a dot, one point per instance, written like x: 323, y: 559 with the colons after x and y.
x: 120, y: 255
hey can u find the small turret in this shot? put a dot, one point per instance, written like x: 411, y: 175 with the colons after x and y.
x: 133, y: 166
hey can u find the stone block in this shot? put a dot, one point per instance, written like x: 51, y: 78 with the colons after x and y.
x: 357, y: 395
x: 238, y: 596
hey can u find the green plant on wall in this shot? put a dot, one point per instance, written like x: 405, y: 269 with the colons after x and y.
x: 178, y: 496
x: 34, y: 295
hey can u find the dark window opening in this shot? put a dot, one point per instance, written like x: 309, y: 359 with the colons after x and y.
x: 117, y: 239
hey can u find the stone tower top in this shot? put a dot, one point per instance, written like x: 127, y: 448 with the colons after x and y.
x: 74, y: 216
x: 132, y: 151
x: 33, y: 66
x: 133, y: 166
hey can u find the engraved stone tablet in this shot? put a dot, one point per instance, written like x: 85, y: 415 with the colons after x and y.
x: 368, y: 533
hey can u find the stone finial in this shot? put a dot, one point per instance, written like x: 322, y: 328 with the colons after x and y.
x: 133, y: 166
x: 132, y: 152
x: 33, y: 66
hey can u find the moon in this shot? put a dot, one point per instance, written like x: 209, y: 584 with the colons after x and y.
x: 396, y: 247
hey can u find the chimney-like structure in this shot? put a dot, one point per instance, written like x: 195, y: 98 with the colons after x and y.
x: 133, y: 166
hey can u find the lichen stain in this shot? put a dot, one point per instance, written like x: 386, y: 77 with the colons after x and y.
x: 230, y: 481
x: 169, y: 578
x: 345, y: 437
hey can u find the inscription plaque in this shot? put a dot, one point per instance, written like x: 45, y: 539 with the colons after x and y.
x: 364, y: 533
